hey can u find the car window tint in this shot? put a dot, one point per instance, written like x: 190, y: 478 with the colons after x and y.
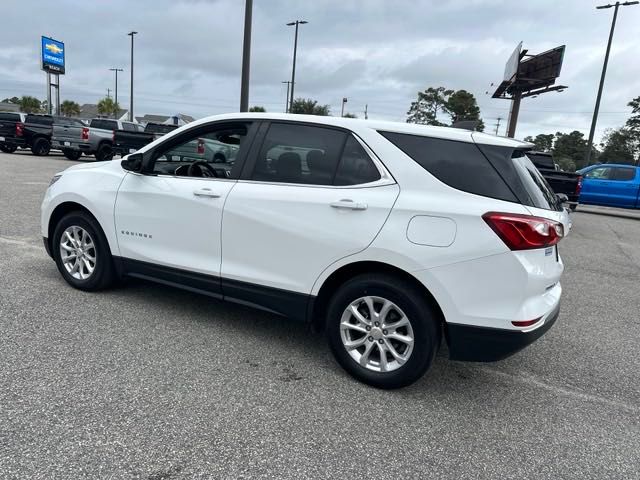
x: 355, y: 166
x: 601, y: 173
x: 129, y: 127
x: 460, y: 165
x: 299, y: 154
x: 624, y: 174
x: 218, y: 148
x: 39, y: 119
x: 537, y: 187
x: 12, y: 117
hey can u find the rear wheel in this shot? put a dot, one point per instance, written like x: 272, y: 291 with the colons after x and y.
x: 8, y: 148
x: 81, y: 252
x: 72, y: 154
x: 382, y: 330
x: 41, y: 147
x: 104, y: 152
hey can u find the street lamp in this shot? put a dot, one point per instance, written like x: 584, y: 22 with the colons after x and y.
x: 131, y: 34
x: 286, y: 102
x: 116, y: 70
x: 604, y: 72
x: 246, y: 57
x: 295, y: 48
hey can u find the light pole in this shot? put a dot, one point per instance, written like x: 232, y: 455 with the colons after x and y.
x: 344, y: 100
x: 116, y: 92
x: 295, y: 48
x: 604, y: 72
x: 286, y: 102
x: 246, y: 57
x: 131, y: 34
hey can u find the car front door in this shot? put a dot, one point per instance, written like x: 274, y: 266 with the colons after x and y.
x: 168, y: 218
x: 595, y: 186
x: 309, y: 196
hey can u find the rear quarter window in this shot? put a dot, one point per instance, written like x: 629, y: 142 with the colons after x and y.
x: 460, y: 165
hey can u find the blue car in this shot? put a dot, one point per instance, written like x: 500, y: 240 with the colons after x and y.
x: 611, y: 185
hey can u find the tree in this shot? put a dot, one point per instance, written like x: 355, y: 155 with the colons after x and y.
x: 29, y: 104
x: 461, y: 105
x: 543, y: 142
x: 257, y: 108
x: 14, y: 100
x: 633, y: 123
x: 69, y: 108
x: 429, y: 103
x: 571, y: 145
x: 308, y: 106
x: 566, y: 164
x: 107, y: 106
x: 349, y: 115
x: 619, y: 146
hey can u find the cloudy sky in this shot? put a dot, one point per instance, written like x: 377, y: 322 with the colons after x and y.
x: 375, y: 52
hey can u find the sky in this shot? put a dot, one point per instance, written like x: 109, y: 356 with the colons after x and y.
x: 378, y: 53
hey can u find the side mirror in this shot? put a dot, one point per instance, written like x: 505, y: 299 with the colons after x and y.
x: 562, y: 198
x: 133, y: 163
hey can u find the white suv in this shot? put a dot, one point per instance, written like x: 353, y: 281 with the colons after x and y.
x: 388, y: 235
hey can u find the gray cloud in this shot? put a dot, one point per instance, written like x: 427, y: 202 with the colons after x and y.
x: 374, y: 52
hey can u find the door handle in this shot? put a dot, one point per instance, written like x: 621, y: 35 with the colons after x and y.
x: 206, y: 192
x: 349, y: 204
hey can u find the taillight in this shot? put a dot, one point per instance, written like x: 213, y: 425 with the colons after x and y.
x: 85, y: 133
x: 526, y: 323
x: 579, y: 185
x: 524, y: 232
x: 200, y: 146
x: 19, y: 129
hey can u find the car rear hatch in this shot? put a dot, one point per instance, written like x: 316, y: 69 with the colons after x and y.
x: 8, y: 123
x: 67, y: 133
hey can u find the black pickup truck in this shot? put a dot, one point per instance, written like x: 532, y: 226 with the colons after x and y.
x: 11, y: 126
x: 21, y: 130
x: 567, y: 183
x: 126, y: 142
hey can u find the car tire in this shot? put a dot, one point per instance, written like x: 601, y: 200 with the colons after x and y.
x: 80, y: 234
x: 72, y: 154
x: 408, y: 302
x: 8, y: 148
x: 104, y: 152
x: 573, y: 207
x: 41, y: 147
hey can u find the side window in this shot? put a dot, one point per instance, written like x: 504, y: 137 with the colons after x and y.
x: 601, y: 173
x: 207, y: 153
x: 356, y: 167
x: 299, y: 154
x: 128, y: 127
x: 624, y: 174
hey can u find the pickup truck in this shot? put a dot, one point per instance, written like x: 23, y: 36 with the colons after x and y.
x: 567, y: 183
x: 95, y: 139
x: 126, y: 141
x: 611, y: 185
x: 28, y: 131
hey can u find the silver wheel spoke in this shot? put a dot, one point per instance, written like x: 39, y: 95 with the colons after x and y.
x: 403, y: 322
x: 351, y: 326
x: 78, y: 252
x: 358, y: 315
x: 401, y: 338
x: 383, y: 357
x: 364, y: 359
x: 350, y: 345
x: 399, y: 358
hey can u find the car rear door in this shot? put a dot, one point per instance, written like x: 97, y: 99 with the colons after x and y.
x: 309, y: 196
x: 623, y: 188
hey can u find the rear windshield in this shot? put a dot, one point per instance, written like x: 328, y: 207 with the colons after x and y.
x: 10, y: 117
x: 158, y: 128
x: 39, y: 119
x: 534, y: 183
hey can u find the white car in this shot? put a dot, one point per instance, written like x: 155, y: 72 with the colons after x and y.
x: 390, y: 236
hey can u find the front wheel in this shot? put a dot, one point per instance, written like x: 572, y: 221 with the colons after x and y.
x: 81, y: 252
x: 8, y: 148
x: 72, y: 154
x: 383, y: 330
x: 41, y: 147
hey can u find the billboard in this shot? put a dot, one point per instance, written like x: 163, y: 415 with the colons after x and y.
x: 511, y: 67
x: 52, y: 55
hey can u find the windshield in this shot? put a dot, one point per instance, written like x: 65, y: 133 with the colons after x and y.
x: 535, y: 184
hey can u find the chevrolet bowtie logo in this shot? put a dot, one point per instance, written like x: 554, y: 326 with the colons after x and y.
x: 53, y: 48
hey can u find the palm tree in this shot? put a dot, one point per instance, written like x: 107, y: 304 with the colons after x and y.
x: 107, y: 106
x: 30, y: 104
x: 69, y: 108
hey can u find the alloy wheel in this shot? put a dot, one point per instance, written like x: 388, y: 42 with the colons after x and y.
x: 78, y: 252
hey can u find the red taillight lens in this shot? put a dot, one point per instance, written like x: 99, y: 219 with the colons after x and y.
x: 579, y: 185
x: 524, y: 232
x: 85, y: 133
x: 526, y: 323
x: 19, y: 129
x: 200, y: 146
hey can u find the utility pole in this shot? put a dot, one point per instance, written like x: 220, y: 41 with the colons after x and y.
x: 108, y: 93
x: 286, y: 102
x: 513, y: 114
x: 116, y: 92
x: 604, y: 72
x: 246, y: 57
x: 344, y: 100
x: 131, y: 34
x: 366, y: 117
x: 295, y: 49
x: 498, y: 125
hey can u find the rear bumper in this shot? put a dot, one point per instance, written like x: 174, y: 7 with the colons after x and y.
x: 75, y: 146
x: 484, y: 344
x: 14, y: 142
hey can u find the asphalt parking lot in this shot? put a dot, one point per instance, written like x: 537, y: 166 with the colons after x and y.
x: 147, y: 382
